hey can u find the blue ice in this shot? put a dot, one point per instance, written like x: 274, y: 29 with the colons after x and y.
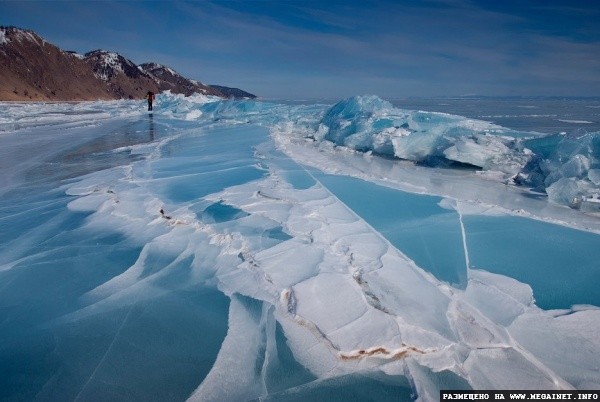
x: 415, y: 224
x: 103, y: 296
x: 207, y: 162
x: 559, y: 263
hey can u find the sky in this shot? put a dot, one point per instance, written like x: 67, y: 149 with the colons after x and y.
x: 307, y: 49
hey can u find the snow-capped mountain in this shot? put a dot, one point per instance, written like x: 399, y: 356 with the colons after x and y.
x: 33, y: 69
x: 167, y: 78
x: 120, y: 75
x: 108, y: 65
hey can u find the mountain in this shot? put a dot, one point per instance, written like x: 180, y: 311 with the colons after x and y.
x: 233, y: 92
x: 167, y: 78
x: 33, y: 69
x: 122, y: 77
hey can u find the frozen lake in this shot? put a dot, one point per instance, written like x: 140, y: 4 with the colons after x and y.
x: 237, y: 250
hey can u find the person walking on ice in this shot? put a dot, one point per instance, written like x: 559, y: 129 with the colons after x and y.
x: 150, y: 97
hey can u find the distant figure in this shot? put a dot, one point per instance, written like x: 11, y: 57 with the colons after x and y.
x: 150, y: 97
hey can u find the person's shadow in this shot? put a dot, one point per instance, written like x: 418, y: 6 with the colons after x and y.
x: 151, y: 126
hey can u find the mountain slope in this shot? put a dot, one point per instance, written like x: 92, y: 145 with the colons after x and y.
x: 168, y: 79
x: 120, y: 75
x: 233, y: 92
x: 33, y: 69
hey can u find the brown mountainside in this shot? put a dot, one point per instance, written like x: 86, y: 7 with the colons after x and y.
x: 33, y: 69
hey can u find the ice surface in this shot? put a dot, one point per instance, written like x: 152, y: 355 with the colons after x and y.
x: 569, y: 347
x: 237, y: 376
x: 415, y: 224
x: 228, y: 250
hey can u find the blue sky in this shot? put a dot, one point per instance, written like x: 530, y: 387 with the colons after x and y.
x: 331, y: 49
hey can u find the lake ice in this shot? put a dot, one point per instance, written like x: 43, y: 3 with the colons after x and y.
x: 244, y: 250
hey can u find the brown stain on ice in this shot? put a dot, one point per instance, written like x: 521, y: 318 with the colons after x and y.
x: 381, y: 352
x: 359, y: 354
x: 287, y: 300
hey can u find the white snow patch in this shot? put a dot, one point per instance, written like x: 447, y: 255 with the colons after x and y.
x: 193, y: 115
x: 3, y: 38
x: 77, y: 55
x: 28, y: 36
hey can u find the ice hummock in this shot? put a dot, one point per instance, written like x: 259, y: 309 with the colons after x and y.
x: 372, y: 124
x: 218, y: 250
x: 565, y: 166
